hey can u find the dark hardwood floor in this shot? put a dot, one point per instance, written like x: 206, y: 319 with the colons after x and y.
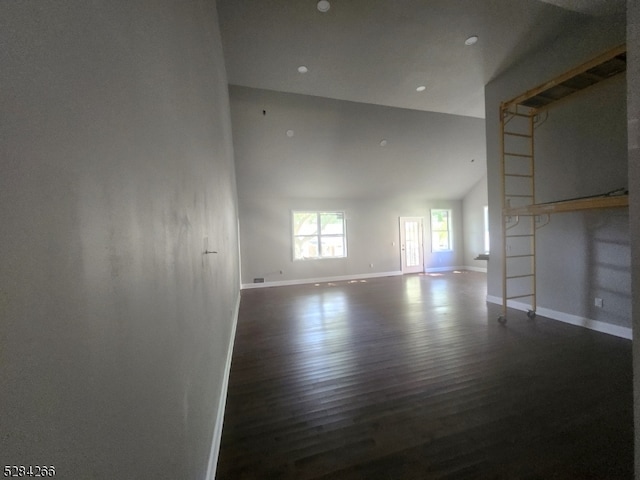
x: 413, y: 378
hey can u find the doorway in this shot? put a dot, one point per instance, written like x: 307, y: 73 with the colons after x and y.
x: 411, y: 248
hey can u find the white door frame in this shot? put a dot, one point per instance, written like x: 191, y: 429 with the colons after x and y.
x: 412, y: 245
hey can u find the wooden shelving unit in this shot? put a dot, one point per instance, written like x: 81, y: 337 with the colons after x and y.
x: 591, y: 203
x: 521, y: 215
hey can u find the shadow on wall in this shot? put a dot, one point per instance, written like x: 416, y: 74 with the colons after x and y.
x: 608, y: 276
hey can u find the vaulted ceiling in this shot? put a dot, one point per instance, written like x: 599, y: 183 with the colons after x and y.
x: 380, y: 51
x: 591, y: 7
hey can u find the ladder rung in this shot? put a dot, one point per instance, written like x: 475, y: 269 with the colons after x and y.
x: 521, y: 296
x: 521, y: 276
x: 517, y: 175
x: 519, y: 256
x: 512, y: 154
x: 517, y: 134
x: 507, y: 113
x: 521, y: 235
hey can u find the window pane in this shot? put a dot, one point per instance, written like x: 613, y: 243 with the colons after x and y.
x: 486, y: 229
x: 412, y: 253
x: 440, y: 220
x: 332, y: 223
x: 306, y: 247
x: 412, y: 243
x: 440, y: 241
x: 305, y: 223
x: 333, y: 247
x: 440, y: 230
x: 318, y: 235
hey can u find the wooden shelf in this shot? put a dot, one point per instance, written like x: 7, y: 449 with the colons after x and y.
x: 613, y: 201
x: 601, y: 68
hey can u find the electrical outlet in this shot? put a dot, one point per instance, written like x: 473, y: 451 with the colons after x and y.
x: 371, y: 265
x: 598, y: 302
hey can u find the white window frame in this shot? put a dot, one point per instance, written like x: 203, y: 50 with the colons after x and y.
x: 436, y: 248
x: 487, y: 239
x: 319, y: 234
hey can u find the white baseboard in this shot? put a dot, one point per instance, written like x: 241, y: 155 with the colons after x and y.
x: 360, y: 276
x: 222, y: 402
x: 598, y: 326
x: 451, y: 269
x: 476, y: 269
x: 442, y: 269
x: 304, y: 281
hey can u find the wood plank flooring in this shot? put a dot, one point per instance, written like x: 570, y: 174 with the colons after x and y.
x: 413, y: 378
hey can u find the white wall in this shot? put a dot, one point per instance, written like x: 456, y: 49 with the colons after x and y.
x: 334, y: 161
x: 116, y: 162
x: 372, y: 236
x: 586, y: 253
x: 589, y: 251
x: 633, y: 116
x: 473, y: 211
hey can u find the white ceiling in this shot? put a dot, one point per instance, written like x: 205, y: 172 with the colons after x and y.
x: 379, y: 51
x: 591, y: 7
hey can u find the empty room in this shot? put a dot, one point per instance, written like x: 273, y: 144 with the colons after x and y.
x: 355, y: 354
x: 302, y: 239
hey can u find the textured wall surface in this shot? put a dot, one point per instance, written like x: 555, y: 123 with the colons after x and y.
x: 116, y: 164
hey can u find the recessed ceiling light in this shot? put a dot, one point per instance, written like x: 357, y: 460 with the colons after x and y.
x: 289, y: 133
x: 323, y: 6
x: 472, y: 40
x: 383, y: 143
x: 421, y: 88
x: 302, y: 69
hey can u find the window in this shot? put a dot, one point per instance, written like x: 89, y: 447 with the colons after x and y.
x: 486, y: 229
x: 319, y: 235
x: 440, y: 230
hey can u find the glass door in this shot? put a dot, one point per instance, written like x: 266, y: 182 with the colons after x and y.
x: 411, y: 248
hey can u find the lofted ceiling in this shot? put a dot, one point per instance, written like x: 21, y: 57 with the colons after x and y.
x: 591, y: 7
x: 380, y: 51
